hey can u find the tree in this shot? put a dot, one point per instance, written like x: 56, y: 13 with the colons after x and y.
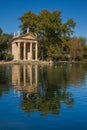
x: 54, y: 52
x: 85, y: 52
x: 1, y: 31
x: 5, y: 44
x: 29, y: 19
x: 49, y: 28
x: 76, y: 49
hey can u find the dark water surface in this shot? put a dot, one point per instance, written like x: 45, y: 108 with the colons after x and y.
x: 43, y: 97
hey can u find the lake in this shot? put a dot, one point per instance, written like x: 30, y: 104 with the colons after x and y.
x: 35, y: 97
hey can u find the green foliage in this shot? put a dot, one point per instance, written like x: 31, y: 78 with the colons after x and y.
x: 54, y: 52
x: 54, y: 36
x: 1, y: 31
x: 8, y: 57
x: 29, y: 19
x: 76, y: 49
x: 50, y: 30
x: 5, y: 44
x: 85, y: 52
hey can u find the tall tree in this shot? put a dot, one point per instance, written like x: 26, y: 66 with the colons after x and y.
x: 29, y: 20
x: 49, y: 28
x: 76, y: 49
x: 5, y: 44
x: 85, y: 52
x: 1, y: 31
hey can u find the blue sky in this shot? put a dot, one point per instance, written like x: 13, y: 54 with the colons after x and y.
x: 11, y: 10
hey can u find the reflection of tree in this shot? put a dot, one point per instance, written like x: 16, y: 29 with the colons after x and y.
x: 64, y: 74
x: 50, y: 103
x: 52, y: 88
x: 47, y: 89
x: 5, y: 79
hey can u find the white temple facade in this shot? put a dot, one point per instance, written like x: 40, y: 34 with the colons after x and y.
x: 25, y: 47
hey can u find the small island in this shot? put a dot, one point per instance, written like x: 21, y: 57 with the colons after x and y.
x: 44, y: 38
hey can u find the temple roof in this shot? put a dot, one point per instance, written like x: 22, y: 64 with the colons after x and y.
x: 27, y: 36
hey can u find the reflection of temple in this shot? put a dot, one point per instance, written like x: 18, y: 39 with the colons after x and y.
x: 25, y: 78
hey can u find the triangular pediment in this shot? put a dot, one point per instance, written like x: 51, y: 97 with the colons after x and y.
x: 28, y: 36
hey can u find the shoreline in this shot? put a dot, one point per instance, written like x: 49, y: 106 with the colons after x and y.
x: 37, y: 62
x: 25, y: 62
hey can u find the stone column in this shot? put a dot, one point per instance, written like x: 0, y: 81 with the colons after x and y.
x: 36, y: 51
x: 18, y: 51
x: 24, y: 51
x: 31, y: 75
x: 15, y: 51
x: 30, y: 51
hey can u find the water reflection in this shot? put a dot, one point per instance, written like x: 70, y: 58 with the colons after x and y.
x: 25, y: 78
x: 43, y: 88
x: 44, y: 96
x: 5, y: 79
x: 52, y: 90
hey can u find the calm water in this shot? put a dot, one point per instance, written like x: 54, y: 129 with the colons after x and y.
x: 43, y: 97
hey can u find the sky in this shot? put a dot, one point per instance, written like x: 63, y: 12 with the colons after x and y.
x: 11, y: 10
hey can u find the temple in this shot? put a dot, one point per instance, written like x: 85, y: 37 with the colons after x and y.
x: 25, y: 47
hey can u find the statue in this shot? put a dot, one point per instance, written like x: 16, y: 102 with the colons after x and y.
x: 18, y: 33
x: 28, y: 30
x: 14, y: 34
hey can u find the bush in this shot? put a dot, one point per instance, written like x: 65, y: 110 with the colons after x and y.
x: 8, y: 57
x: 78, y: 58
